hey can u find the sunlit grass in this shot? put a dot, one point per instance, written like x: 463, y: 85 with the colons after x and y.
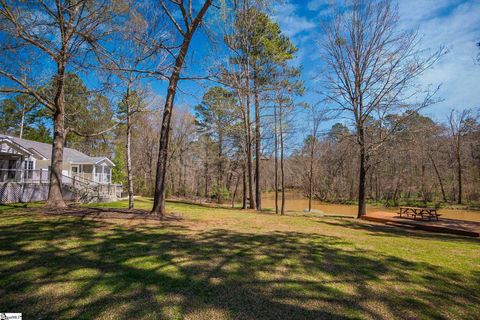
x: 221, y: 263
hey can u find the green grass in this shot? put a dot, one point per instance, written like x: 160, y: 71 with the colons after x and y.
x: 19, y: 206
x: 216, y: 263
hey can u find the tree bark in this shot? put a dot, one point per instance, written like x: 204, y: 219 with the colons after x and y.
x: 276, y: 157
x: 235, y: 192
x: 310, y: 182
x: 422, y: 182
x: 182, y: 175
x: 363, y: 173
x: 205, y: 171
x: 128, y: 150
x: 244, y: 189
x: 22, y: 120
x: 55, y: 197
x: 258, y: 191
x: 159, y: 196
x: 459, y: 169
x: 439, y: 178
x: 251, y: 203
x: 220, y: 161
x: 282, y: 166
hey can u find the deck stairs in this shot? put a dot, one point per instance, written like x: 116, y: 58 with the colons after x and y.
x: 88, y: 191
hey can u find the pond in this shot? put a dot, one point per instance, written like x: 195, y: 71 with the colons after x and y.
x: 296, y: 202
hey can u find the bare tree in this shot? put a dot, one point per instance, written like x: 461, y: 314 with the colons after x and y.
x: 59, y: 34
x: 190, y: 25
x: 457, y: 121
x: 285, y: 86
x: 142, y: 54
x: 371, y: 71
x: 316, y: 116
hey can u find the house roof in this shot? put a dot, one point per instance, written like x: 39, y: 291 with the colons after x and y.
x: 44, y: 151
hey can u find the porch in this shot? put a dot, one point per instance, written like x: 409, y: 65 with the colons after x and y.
x: 20, y: 168
x: 101, y: 174
x: 24, y: 176
x: 21, y: 175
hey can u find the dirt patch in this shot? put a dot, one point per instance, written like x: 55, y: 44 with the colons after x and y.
x: 108, y: 213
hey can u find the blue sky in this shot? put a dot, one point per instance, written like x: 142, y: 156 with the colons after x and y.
x: 452, y: 23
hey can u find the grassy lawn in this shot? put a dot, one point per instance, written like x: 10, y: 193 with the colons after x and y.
x: 215, y: 263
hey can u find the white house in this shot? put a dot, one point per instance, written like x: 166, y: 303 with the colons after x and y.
x: 29, y: 161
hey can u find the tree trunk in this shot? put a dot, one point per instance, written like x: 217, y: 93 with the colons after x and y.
x: 129, y: 160
x: 159, y: 196
x: 182, y: 175
x: 55, y: 197
x: 244, y: 187
x: 276, y: 157
x: 363, y: 172
x: 22, y: 120
x: 235, y: 192
x: 128, y: 149
x: 459, y: 170
x: 282, y: 167
x: 205, y: 171
x: 197, y: 175
x: 220, y: 183
x: 438, y: 177
x: 258, y: 191
x: 310, y: 182
x: 251, y: 202
x: 423, y: 185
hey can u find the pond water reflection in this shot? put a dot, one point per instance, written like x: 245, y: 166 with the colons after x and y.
x: 298, y: 203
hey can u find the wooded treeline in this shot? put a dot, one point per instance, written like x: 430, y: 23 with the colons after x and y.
x: 426, y: 162
x: 251, y: 132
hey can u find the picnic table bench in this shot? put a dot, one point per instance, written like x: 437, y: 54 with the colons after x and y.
x: 428, y: 213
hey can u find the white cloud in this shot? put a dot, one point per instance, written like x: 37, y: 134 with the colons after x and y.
x: 290, y: 21
x: 315, y: 5
x: 452, y: 23
x: 413, y: 12
x: 457, y: 26
x: 296, y: 26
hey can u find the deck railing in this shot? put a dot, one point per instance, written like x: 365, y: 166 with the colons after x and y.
x: 22, y: 175
x: 77, y: 181
x: 103, y: 178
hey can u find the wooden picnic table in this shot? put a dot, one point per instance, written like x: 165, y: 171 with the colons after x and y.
x: 417, y: 211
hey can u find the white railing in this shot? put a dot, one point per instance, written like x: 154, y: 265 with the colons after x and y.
x: 101, y: 187
x: 22, y: 175
x: 102, y: 178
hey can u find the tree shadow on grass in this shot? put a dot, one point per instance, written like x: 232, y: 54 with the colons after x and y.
x: 74, y: 268
x: 380, y: 229
x: 108, y: 213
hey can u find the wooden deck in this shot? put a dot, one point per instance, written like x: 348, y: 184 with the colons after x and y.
x: 452, y: 226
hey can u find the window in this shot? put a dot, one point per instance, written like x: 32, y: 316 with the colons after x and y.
x: 12, y: 169
x: 28, y: 166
